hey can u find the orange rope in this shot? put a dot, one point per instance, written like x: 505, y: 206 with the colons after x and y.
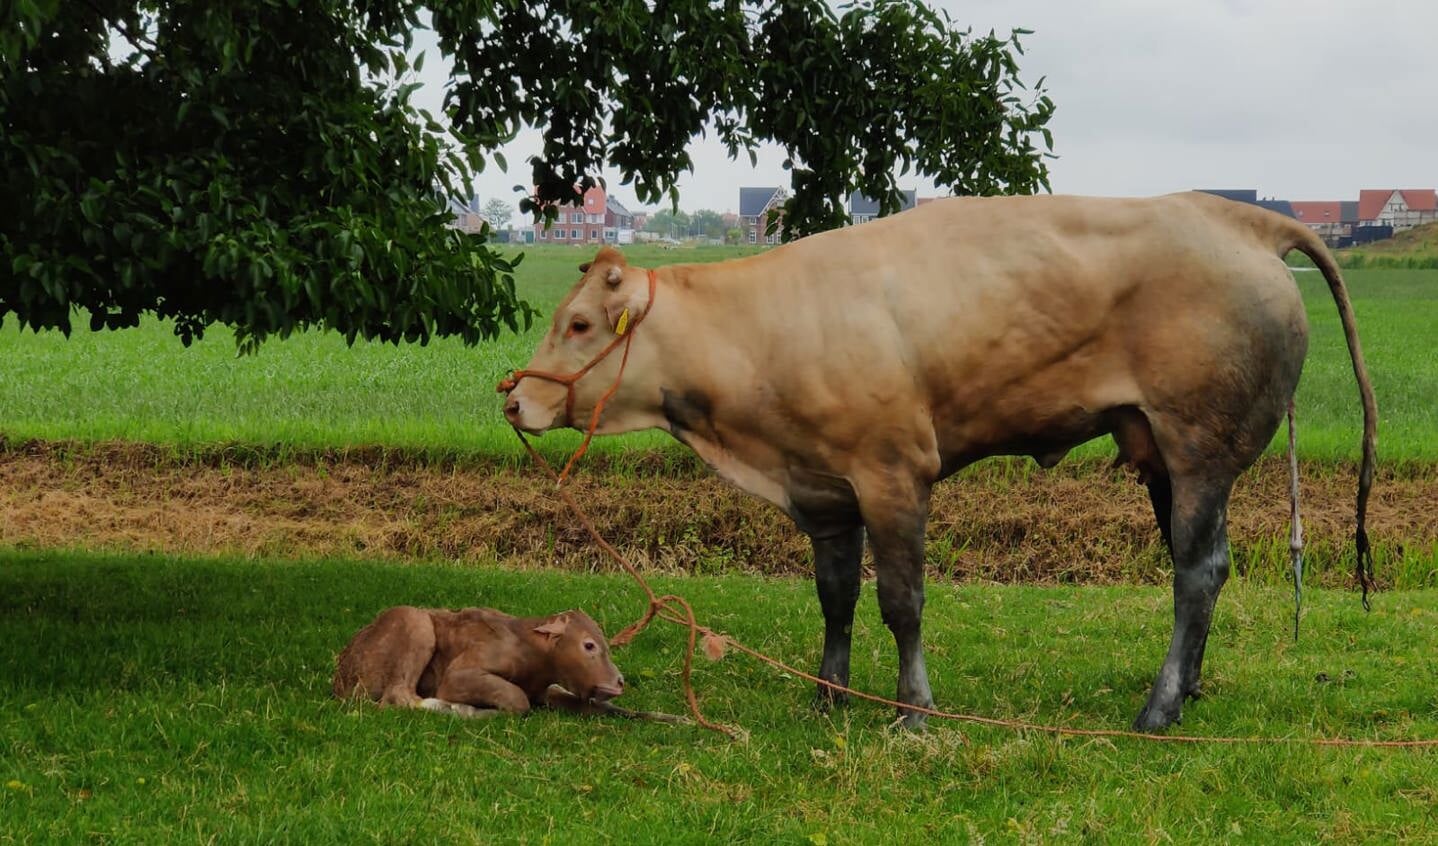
x: 660, y: 607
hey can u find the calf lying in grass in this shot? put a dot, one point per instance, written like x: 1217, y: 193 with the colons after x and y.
x: 479, y: 662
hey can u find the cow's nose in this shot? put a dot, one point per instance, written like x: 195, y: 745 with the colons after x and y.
x: 620, y: 683
x: 511, y: 410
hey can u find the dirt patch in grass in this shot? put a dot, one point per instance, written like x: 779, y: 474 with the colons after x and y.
x: 1001, y: 521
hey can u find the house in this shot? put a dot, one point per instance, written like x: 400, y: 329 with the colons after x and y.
x: 1401, y: 209
x: 465, y: 216
x: 758, y: 206
x: 862, y: 209
x: 1324, y: 217
x: 1250, y: 196
x: 595, y: 217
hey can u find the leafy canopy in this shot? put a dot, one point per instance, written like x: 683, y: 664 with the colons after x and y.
x: 259, y: 164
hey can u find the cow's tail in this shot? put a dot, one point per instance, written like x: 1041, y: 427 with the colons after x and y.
x: 1305, y: 241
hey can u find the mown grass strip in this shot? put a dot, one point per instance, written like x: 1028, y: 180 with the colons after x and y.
x: 153, y: 699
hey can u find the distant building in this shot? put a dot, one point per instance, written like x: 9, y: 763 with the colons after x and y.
x: 466, y: 216
x: 592, y: 218
x: 1250, y: 196
x: 862, y: 209
x: 1325, y: 217
x: 758, y: 206
x: 1399, y: 208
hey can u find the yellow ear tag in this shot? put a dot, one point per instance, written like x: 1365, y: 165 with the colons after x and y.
x: 622, y: 325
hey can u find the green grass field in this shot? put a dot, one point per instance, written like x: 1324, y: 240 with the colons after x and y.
x: 148, y: 699
x: 312, y: 391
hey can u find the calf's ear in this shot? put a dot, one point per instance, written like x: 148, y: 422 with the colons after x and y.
x: 553, y: 628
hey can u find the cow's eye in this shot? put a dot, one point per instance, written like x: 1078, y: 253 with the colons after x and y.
x: 578, y: 326
x: 590, y: 646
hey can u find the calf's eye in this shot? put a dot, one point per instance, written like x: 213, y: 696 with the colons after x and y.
x: 578, y: 326
x: 590, y: 646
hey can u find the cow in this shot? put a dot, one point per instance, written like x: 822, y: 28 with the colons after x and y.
x: 480, y: 662
x: 842, y: 375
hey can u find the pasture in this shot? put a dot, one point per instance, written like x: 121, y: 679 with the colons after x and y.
x: 154, y: 699
x: 312, y: 391
x: 187, y: 538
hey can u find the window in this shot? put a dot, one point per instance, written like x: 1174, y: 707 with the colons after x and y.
x: 771, y: 239
x: 543, y: 235
x: 574, y: 234
x: 576, y: 217
x: 594, y: 234
x: 594, y: 218
x: 753, y: 238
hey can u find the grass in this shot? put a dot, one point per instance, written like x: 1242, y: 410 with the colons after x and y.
x: 313, y: 392
x: 150, y: 699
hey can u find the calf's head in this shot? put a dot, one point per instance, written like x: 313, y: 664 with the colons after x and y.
x: 580, y: 655
x: 601, y: 306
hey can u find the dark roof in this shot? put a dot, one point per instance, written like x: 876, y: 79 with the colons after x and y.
x: 1242, y: 195
x: 753, y: 201
x: 1283, y: 207
x: 1250, y: 196
x: 859, y: 204
x: 1349, y: 213
x: 613, y: 205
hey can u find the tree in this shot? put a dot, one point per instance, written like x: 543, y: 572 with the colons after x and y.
x: 498, y: 213
x: 260, y: 165
x: 671, y: 223
x: 707, y: 223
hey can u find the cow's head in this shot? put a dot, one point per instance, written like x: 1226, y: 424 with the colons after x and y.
x: 606, y: 300
x: 580, y: 655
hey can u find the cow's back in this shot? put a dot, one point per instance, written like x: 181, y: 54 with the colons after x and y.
x: 1000, y: 317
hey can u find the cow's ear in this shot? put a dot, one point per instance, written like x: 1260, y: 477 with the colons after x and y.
x: 622, y: 307
x: 584, y: 268
x: 554, y: 628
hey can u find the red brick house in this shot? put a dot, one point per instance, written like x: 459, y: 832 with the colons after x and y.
x: 757, y: 206
x: 594, y: 218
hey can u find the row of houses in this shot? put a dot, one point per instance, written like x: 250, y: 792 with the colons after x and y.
x: 757, y: 206
x: 595, y: 217
x: 1375, y: 215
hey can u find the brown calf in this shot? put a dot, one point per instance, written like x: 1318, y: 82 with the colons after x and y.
x: 479, y: 662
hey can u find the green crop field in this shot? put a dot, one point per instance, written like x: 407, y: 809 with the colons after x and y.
x: 150, y: 699
x: 312, y: 391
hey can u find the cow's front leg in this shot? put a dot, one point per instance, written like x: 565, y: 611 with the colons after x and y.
x: 477, y: 687
x: 895, y: 520
x: 836, y: 574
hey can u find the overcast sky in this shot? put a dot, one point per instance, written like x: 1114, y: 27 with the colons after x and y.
x: 1300, y: 99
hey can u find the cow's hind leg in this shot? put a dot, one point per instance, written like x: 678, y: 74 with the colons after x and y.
x: 1200, y: 551
x: 385, y: 660
x: 836, y: 574
x: 895, y: 511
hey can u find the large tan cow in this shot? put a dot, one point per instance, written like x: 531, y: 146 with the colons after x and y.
x: 841, y: 376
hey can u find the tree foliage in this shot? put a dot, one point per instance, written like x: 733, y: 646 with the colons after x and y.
x: 259, y: 164
x: 498, y: 212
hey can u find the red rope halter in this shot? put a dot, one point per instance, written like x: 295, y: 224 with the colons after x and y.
x: 568, y: 380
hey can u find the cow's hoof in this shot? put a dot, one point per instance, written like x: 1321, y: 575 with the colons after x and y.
x: 910, y: 721
x: 826, y: 699
x: 1154, y: 718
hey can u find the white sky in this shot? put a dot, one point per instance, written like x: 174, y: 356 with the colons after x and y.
x: 1300, y: 99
